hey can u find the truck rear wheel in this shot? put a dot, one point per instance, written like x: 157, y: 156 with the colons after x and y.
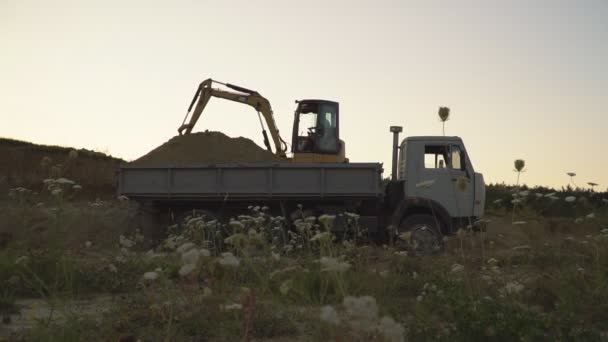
x: 424, y: 236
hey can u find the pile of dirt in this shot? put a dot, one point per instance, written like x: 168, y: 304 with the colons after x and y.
x: 25, y: 164
x: 206, y: 148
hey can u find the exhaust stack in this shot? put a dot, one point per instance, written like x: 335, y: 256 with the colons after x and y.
x: 395, y: 130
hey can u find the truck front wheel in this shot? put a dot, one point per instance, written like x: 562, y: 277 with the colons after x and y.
x: 419, y: 234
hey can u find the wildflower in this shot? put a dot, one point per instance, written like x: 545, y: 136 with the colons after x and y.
x: 419, y: 298
x: 191, y: 256
x: 233, y: 306
x: 329, y: 264
x: 352, y: 216
x: 362, y: 311
x: 310, y: 219
x: 228, y: 259
x: 515, y: 201
x: 64, y: 181
x: 512, y: 288
x: 126, y: 243
x: 112, y: 268
x: 519, y: 222
x: 538, y: 195
x: 183, y: 248
x: 498, y: 201
x: 150, y: 276
x: 327, y: 220
x: 285, y: 286
x: 186, y: 269
x: 77, y: 187
x: 579, y: 220
x: 204, y: 252
x: 425, y: 184
x: 550, y: 194
x: 393, y: 331
x: 56, y: 192
x: 570, y: 199
x: 324, y: 236
x: 236, y: 224
x: 122, y: 198
x: 590, y: 216
x: 571, y: 174
x: 524, y: 193
x: 456, y: 268
x: 22, y: 260
x: 329, y: 315
x: 414, y: 275
x: 492, y: 261
x: 405, y: 236
x: 522, y: 247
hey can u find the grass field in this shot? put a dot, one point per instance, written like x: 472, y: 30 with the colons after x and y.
x: 75, y: 270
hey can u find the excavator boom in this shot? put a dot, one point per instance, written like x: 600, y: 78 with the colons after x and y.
x: 243, y: 95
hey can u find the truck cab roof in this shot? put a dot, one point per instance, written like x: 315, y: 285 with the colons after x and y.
x: 433, y: 138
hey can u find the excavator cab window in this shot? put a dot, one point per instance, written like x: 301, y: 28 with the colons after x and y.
x: 316, y: 127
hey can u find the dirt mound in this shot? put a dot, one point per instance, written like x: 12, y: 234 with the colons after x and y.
x: 24, y: 164
x: 208, y: 148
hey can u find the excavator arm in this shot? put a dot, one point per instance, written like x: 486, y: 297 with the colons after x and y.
x: 242, y: 95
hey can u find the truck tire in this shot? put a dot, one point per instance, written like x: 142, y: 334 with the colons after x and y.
x: 425, y: 236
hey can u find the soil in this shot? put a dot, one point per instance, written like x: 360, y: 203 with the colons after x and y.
x: 207, y: 147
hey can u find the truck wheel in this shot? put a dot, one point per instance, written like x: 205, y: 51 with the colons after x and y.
x: 424, y: 238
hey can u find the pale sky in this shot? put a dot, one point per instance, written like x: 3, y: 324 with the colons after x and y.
x: 523, y: 79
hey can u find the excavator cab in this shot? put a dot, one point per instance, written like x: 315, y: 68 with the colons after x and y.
x: 316, y: 134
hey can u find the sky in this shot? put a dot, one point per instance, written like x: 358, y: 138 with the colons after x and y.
x: 523, y: 79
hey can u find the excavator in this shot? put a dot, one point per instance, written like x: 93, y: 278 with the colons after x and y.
x: 320, y: 143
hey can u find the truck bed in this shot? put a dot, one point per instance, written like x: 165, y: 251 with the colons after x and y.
x: 251, y: 181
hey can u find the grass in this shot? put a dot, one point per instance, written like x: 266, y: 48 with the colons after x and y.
x: 542, y: 280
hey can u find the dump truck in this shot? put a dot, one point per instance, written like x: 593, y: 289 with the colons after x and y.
x: 433, y: 189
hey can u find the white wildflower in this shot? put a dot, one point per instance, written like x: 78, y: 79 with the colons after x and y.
x: 329, y: 264
x: 538, y: 195
x: 552, y: 194
x: 590, y: 216
x: 228, y: 259
x: 570, y: 199
x: 204, y: 252
x: 88, y: 244
x: 285, y: 286
x: 77, y: 187
x: 579, y: 220
x: 191, y: 256
x: 186, y: 269
x: 122, y: 198
x: 492, y: 261
x: 512, y: 288
x: 524, y: 193
x: 392, y: 331
x: 124, y: 242
x: 324, y: 236
x: 64, y: 181
x: 498, y: 201
x: 275, y: 256
x: 56, y: 192
x: 22, y: 260
x: 362, y: 311
x: 456, y: 268
x: 150, y: 276
x: 329, y: 315
x: 112, y: 268
x: 310, y: 219
x: 327, y: 220
x: 515, y: 201
x: 233, y: 306
x: 519, y: 222
x: 236, y: 224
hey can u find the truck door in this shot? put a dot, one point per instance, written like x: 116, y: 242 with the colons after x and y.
x: 433, y: 168
x: 463, y: 182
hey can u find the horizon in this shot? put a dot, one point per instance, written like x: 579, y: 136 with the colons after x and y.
x: 522, y: 81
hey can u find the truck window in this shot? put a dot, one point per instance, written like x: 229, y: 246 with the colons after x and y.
x: 457, y: 157
x: 435, y: 156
